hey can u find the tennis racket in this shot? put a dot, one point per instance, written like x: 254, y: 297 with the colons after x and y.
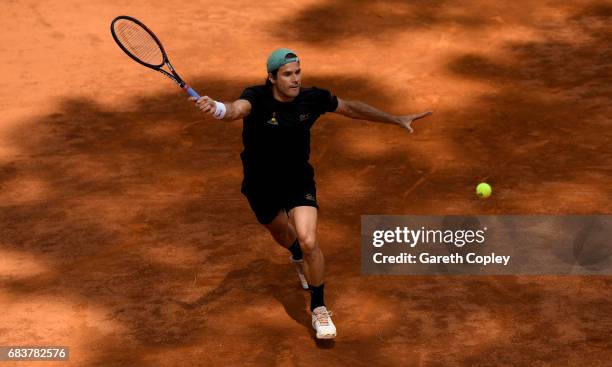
x: 139, y: 43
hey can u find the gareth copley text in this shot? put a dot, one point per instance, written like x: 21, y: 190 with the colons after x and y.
x: 426, y: 258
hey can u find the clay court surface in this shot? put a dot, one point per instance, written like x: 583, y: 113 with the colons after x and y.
x: 123, y: 233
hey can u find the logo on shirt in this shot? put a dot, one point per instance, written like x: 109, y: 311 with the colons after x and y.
x: 273, y: 120
x: 309, y: 197
x: 304, y: 117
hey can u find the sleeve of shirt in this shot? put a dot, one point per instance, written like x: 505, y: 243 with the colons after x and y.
x: 249, y: 94
x: 327, y: 101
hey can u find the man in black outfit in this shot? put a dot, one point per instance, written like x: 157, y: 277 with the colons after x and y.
x: 278, y: 180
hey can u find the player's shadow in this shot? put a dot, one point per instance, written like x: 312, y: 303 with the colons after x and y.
x: 257, y: 282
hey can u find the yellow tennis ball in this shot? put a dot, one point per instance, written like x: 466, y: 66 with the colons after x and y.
x: 483, y: 190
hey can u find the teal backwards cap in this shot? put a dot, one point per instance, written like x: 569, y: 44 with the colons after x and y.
x: 281, y: 57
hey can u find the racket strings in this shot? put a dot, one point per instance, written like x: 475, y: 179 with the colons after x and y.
x: 138, y: 42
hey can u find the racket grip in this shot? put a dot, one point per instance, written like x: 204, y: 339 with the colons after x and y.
x: 191, y: 92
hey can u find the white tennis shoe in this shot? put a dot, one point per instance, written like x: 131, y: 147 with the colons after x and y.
x: 300, y: 271
x: 322, y: 323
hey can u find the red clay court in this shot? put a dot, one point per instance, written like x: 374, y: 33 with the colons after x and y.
x: 123, y: 233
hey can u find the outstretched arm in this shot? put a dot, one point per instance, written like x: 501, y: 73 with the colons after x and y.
x: 233, y: 110
x: 361, y: 111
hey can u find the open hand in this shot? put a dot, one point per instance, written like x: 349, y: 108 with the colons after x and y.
x: 406, y: 121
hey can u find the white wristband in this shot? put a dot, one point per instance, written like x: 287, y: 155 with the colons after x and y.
x: 219, y: 110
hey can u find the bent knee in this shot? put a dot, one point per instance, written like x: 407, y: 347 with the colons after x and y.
x: 308, y: 242
x: 279, y: 233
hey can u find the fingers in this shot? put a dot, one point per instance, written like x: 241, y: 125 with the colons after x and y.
x: 407, y: 120
x: 405, y: 123
x: 205, y: 104
x: 421, y: 115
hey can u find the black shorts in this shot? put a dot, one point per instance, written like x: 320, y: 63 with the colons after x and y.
x: 267, y: 201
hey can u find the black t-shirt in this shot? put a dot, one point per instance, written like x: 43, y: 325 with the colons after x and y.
x: 276, y: 135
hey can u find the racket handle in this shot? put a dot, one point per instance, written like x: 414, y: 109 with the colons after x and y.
x: 191, y: 92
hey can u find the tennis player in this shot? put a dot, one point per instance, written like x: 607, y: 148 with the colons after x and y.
x: 278, y: 179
